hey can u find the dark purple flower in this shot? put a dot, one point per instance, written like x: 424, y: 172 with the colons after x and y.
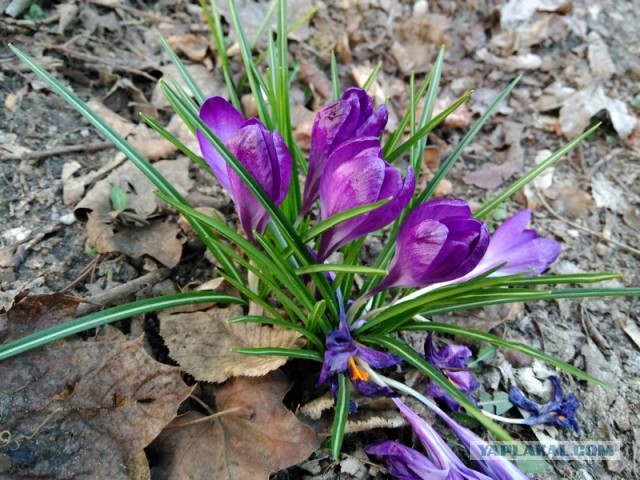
x: 407, y: 463
x: 496, y: 467
x: 356, y: 174
x: 520, y: 247
x: 350, y: 117
x: 452, y: 363
x: 439, y: 241
x: 262, y: 152
x: 560, y: 411
x: 340, y: 356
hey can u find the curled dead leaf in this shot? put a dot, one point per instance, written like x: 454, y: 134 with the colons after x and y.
x: 201, y: 343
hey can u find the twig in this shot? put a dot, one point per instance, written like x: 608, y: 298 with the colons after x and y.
x: 88, y: 147
x: 91, y: 58
x: 96, y: 302
x: 84, y: 273
x: 599, y: 235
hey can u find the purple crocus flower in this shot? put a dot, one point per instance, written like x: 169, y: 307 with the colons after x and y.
x: 409, y: 464
x: 452, y: 363
x: 512, y: 243
x: 439, y: 241
x: 340, y: 356
x: 496, y: 467
x: 262, y: 152
x: 560, y: 411
x: 519, y: 247
x: 355, y: 174
x: 350, y: 117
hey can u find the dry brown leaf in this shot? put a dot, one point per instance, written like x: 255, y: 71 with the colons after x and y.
x: 158, y: 240
x: 79, y: 409
x: 255, y: 435
x: 572, y: 201
x: 149, y: 143
x: 130, y: 232
x: 194, y: 47
x: 631, y: 328
x: 210, y: 83
x: 201, y: 343
x: 608, y: 195
x: 577, y: 110
x: 490, y: 175
x: 600, y: 62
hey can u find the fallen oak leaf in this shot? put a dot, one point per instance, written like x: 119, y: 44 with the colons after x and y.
x: 201, y: 343
x: 252, y: 435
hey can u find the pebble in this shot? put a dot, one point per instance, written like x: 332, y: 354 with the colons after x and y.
x: 67, y: 219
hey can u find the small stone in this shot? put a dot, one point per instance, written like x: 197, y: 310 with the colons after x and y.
x: 67, y: 219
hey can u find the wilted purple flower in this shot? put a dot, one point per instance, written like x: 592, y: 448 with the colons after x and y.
x: 496, y: 467
x: 452, y: 363
x: 354, y: 175
x: 262, y: 152
x: 520, y: 247
x: 340, y: 356
x: 407, y: 463
x: 560, y: 411
x: 439, y: 241
x: 350, y: 117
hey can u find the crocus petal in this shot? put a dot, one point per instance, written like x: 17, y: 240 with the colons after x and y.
x: 356, y: 175
x: 520, y: 248
x: 223, y: 120
x: 370, y: 389
x: 350, y: 117
x: 560, y: 411
x: 450, y: 356
x: 498, y: 467
x: 375, y: 358
x: 437, y: 449
x: 406, y: 463
x: 534, y: 255
x: 439, y: 241
x: 267, y: 159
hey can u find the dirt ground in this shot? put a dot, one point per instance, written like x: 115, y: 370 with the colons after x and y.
x: 579, y: 62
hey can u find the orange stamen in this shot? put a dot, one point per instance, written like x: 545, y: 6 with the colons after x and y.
x: 356, y: 373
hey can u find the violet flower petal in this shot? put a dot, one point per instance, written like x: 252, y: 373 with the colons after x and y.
x: 223, y: 120
x: 350, y: 117
x: 266, y: 157
x: 497, y: 467
x: 406, y: 463
x: 350, y: 181
x: 519, y: 247
x: 439, y: 241
x: 560, y: 411
x: 437, y: 449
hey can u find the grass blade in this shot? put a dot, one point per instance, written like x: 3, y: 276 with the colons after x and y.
x: 111, y: 315
x: 450, y: 161
x: 401, y: 349
x: 335, y: 79
x: 341, y: 415
x: 372, y: 76
x: 339, y: 267
x: 339, y: 218
x: 184, y: 73
x: 531, y: 174
x: 215, y: 25
x: 480, y: 336
x: 281, y: 352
